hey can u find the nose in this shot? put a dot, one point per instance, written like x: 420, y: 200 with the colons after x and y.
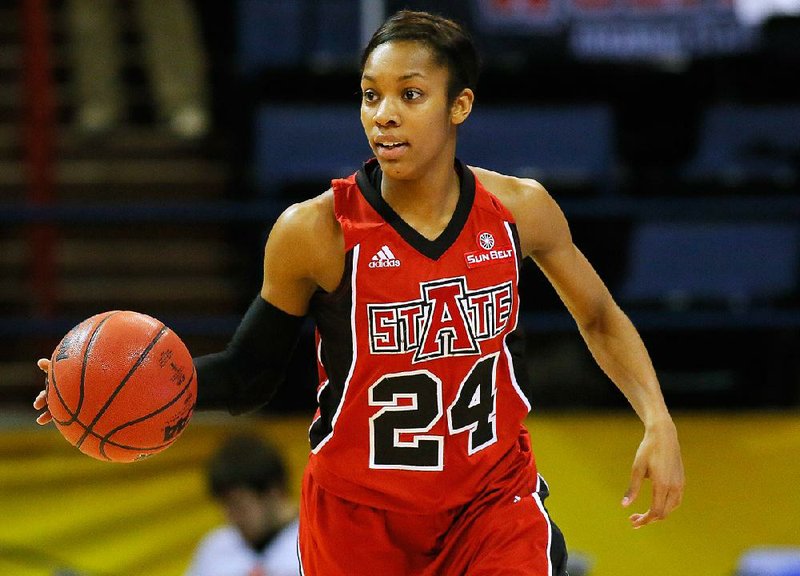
x: 386, y: 113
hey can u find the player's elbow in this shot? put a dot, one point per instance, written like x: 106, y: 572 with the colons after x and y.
x: 600, y: 317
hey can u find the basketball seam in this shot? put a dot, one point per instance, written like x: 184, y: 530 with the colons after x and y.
x: 89, y: 346
x: 94, y: 434
x: 106, y: 439
x: 118, y: 389
x: 51, y: 381
x: 54, y: 382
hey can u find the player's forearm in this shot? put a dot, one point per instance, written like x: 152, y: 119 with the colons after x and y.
x: 247, y: 373
x: 618, y: 349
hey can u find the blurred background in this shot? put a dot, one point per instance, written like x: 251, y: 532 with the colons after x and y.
x: 146, y: 147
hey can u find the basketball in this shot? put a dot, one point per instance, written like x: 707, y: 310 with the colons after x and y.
x: 121, y: 386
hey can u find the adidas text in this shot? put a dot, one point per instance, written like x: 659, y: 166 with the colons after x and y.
x: 384, y: 264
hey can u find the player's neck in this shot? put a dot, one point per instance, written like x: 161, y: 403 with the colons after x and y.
x: 426, y: 204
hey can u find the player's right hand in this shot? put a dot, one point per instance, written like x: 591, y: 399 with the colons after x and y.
x: 41, y: 399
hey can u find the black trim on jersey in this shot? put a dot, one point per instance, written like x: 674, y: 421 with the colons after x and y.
x: 369, y: 182
x: 331, y: 313
x: 559, y: 553
x: 517, y: 247
x: 516, y: 339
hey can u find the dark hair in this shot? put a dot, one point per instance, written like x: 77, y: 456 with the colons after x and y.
x: 245, y: 461
x: 450, y: 43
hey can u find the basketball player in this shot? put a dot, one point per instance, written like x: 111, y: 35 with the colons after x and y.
x: 247, y: 478
x: 419, y: 460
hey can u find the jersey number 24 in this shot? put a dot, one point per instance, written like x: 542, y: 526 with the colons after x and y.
x: 412, y: 405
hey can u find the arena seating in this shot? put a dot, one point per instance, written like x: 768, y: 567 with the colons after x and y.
x: 306, y: 144
x: 567, y: 147
x: 742, y: 145
x: 688, y: 262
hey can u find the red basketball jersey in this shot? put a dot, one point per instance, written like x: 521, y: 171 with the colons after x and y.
x: 420, y: 405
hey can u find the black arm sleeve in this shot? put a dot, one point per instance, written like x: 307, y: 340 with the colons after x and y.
x: 247, y: 373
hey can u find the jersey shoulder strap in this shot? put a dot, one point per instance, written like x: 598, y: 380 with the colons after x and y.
x: 354, y: 214
x: 486, y: 201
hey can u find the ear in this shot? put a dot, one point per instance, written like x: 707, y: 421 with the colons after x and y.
x: 462, y: 106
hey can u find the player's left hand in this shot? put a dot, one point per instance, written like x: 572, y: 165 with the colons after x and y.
x: 659, y: 459
x: 40, y: 403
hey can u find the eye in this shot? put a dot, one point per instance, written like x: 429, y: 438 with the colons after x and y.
x: 411, y: 94
x: 369, y: 95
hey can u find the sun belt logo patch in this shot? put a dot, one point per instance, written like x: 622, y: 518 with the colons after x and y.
x: 489, y: 254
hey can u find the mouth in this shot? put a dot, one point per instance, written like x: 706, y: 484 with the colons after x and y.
x: 387, y: 141
x: 389, y: 148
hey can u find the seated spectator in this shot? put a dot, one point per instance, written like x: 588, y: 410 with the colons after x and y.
x: 248, y: 478
x: 173, y: 57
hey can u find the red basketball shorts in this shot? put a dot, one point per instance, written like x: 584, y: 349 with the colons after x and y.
x: 501, y: 533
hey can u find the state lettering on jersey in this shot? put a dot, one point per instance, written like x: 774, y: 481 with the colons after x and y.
x: 448, y: 320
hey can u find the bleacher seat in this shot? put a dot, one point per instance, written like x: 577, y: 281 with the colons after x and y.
x: 747, y: 144
x: 337, y: 38
x: 732, y: 263
x: 290, y: 34
x: 769, y: 561
x: 270, y: 34
x: 569, y: 146
x: 304, y: 144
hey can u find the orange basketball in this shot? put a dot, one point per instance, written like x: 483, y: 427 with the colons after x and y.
x: 121, y: 386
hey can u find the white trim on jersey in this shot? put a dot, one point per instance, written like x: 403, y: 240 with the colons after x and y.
x: 356, y: 252
x: 300, y: 557
x: 542, y: 509
x: 507, y: 352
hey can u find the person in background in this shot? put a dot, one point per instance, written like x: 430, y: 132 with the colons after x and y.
x: 173, y: 58
x: 247, y: 477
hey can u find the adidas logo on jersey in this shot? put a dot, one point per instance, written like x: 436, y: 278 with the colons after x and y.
x: 384, y: 259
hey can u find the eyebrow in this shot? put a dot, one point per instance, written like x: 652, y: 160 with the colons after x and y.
x: 403, y: 77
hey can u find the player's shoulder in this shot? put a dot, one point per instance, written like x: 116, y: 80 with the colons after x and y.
x: 309, y: 212
x: 307, y: 244
x: 519, y: 195
x: 312, y: 219
x: 540, y: 221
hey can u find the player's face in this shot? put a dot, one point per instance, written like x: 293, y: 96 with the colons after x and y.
x: 405, y: 111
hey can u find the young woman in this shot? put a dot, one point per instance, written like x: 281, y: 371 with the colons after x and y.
x: 420, y: 463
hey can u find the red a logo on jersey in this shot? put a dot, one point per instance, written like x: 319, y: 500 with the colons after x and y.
x: 447, y: 329
x: 448, y: 320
